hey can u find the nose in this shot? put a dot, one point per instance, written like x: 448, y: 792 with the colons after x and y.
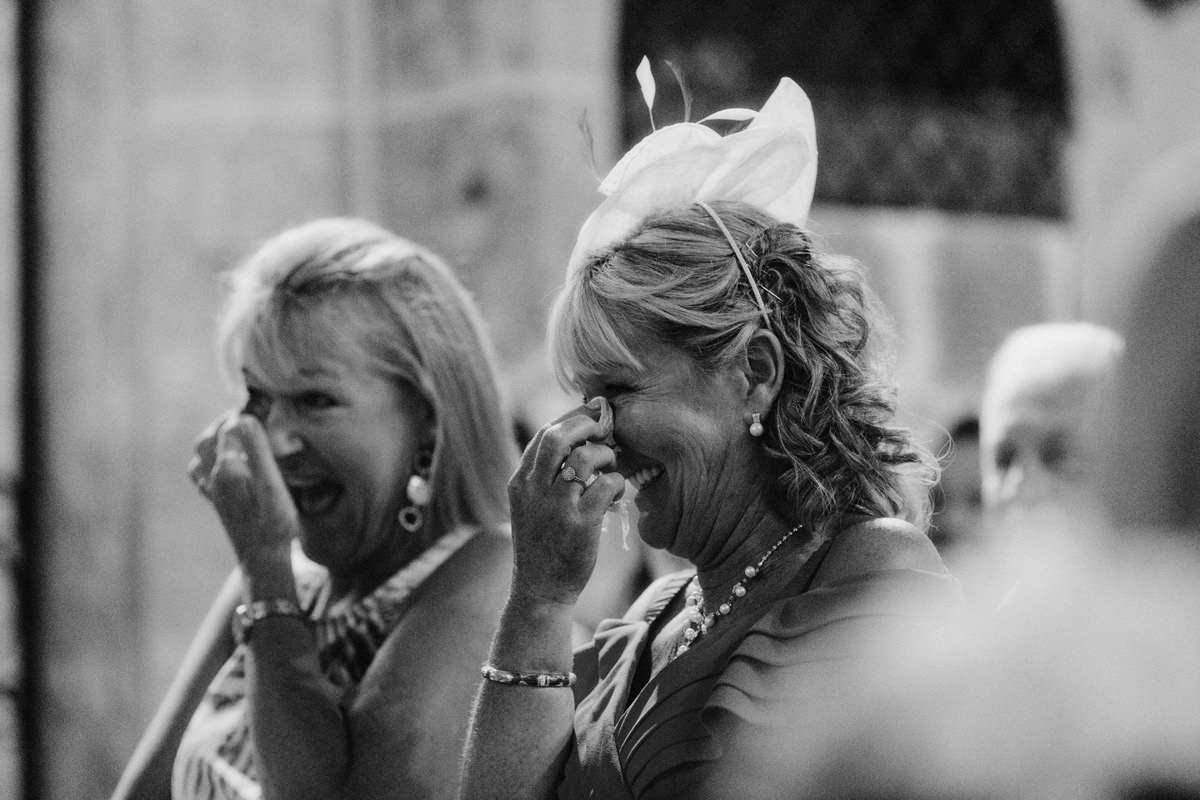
x: 282, y: 431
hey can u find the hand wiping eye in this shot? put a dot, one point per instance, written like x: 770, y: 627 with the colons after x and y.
x: 605, y: 419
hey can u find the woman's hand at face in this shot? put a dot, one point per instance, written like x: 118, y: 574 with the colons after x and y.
x: 234, y: 468
x: 559, y: 494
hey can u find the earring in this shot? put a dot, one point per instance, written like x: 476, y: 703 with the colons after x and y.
x: 756, y: 426
x: 419, y: 493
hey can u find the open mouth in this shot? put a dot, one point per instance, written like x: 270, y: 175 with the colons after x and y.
x: 644, y: 476
x: 314, y: 496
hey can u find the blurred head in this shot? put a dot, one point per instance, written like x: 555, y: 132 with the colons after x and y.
x: 1039, y: 418
x: 366, y: 361
x: 655, y: 321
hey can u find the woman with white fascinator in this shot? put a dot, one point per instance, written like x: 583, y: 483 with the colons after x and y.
x: 734, y: 380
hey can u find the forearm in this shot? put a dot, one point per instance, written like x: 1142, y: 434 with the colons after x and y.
x: 296, y: 722
x: 519, y: 736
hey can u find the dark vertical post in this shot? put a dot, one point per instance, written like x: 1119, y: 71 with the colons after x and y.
x: 32, y: 467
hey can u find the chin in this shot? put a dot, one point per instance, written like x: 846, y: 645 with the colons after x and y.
x: 646, y: 531
x: 313, y: 535
x: 311, y: 553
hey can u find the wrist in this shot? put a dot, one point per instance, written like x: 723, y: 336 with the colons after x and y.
x: 267, y: 574
x: 247, y: 615
x: 265, y: 585
x: 534, y: 634
x: 534, y: 601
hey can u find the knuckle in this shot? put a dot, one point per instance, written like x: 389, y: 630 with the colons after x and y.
x: 555, y: 436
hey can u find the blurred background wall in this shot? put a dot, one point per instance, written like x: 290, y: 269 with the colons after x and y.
x: 974, y: 155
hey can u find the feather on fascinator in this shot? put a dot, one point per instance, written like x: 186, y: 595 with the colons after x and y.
x: 770, y: 164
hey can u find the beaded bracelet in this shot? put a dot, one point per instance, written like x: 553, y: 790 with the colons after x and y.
x: 538, y: 680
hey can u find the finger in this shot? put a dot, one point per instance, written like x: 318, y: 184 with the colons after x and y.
x: 560, y: 438
x: 200, y: 467
x: 604, y: 417
x: 231, y: 456
x: 587, y: 460
x: 212, y: 429
x: 198, y: 474
x: 248, y: 437
x: 246, y: 442
x: 589, y: 409
x: 606, y: 489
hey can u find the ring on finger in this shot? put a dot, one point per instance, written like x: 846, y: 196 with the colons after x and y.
x: 569, y: 474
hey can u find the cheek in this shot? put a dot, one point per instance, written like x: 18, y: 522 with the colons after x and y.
x: 388, y: 474
x: 628, y: 424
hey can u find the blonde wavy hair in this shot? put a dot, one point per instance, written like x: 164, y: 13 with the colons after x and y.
x: 831, y: 435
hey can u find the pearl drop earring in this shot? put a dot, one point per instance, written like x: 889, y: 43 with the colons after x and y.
x: 756, y: 426
x: 419, y: 493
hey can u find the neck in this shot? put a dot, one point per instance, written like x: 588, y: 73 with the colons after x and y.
x: 379, y: 567
x: 708, y: 603
x: 752, y: 537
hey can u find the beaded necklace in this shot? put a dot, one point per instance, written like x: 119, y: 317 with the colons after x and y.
x: 700, y: 620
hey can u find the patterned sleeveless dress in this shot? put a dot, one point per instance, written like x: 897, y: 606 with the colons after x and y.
x: 216, y: 759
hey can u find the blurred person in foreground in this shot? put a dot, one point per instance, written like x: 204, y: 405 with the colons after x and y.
x: 733, y: 380
x: 1089, y: 687
x: 1040, y: 444
x: 363, y: 490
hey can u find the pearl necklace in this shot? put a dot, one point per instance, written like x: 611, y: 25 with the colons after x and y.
x: 700, y: 620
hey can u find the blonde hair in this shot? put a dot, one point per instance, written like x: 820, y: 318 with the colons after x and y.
x: 412, y: 320
x: 674, y: 280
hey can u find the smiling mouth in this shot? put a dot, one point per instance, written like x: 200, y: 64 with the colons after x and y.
x: 644, y: 476
x: 314, y: 497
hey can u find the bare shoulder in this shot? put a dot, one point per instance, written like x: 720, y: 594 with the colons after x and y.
x: 408, y: 717
x: 449, y: 625
x: 478, y: 573
x: 876, y: 544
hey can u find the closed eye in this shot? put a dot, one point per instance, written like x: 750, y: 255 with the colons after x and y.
x: 316, y: 401
x: 615, y: 389
x: 1056, y: 454
x: 258, y: 404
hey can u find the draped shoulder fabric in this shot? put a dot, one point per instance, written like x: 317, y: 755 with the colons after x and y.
x: 216, y: 759
x: 754, y: 683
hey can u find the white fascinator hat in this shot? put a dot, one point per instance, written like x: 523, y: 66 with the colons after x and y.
x: 771, y: 164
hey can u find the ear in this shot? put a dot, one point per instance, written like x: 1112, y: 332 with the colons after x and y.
x: 763, y: 371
